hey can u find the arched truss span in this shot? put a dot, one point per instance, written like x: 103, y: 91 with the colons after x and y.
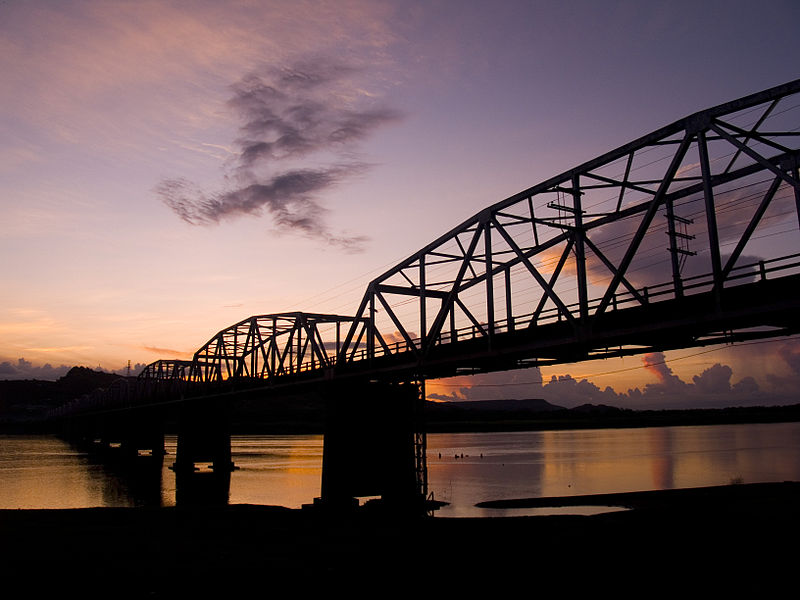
x: 268, y: 346
x: 665, y: 225
x: 697, y: 207
x: 162, y: 370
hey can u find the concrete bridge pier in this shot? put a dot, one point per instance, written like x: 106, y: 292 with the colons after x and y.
x: 140, y: 433
x: 204, y: 437
x: 370, y: 446
x: 120, y: 436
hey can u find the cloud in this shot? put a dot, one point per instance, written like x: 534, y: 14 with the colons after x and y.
x: 790, y: 353
x: 6, y: 368
x: 302, y: 109
x: 714, y: 380
x: 501, y: 385
x: 564, y: 390
x: 25, y: 369
x: 167, y: 351
x: 289, y: 115
x: 712, y: 388
x: 656, y: 363
x: 397, y: 338
x: 782, y: 383
x: 109, y: 72
x: 287, y: 197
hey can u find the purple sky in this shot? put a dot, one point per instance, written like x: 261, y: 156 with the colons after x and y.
x: 145, y: 202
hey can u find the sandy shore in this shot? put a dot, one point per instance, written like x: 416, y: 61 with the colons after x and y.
x: 736, y: 539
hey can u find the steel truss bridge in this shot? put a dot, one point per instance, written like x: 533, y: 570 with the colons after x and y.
x: 687, y: 236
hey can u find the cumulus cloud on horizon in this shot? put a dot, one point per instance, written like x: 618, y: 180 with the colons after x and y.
x: 25, y: 369
x: 300, y: 128
x: 712, y: 388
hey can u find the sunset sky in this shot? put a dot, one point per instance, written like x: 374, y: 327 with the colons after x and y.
x: 142, y: 210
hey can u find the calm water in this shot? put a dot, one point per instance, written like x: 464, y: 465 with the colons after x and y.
x: 44, y: 472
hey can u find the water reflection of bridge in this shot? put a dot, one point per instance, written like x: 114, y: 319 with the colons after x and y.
x: 685, y: 237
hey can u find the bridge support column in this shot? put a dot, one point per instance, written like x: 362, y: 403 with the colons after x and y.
x: 141, y: 430
x: 370, y: 449
x: 204, y: 436
x: 121, y: 435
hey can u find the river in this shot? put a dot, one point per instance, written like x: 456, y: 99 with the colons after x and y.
x: 463, y: 468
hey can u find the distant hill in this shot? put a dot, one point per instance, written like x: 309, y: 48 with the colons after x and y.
x: 537, y: 414
x: 82, y: 380
x: 528, y: 405
x: 488, y: 415
x: 27, y: 400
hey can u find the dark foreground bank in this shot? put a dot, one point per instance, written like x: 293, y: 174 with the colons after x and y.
x: 737, y: 539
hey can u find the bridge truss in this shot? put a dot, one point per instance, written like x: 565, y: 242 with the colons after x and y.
x: 694, y: 209
x: 688, y: 236
x: 270, y: 346
x: 657, y: 244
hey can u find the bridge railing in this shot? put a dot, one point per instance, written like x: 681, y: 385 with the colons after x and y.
x: 704, y: 283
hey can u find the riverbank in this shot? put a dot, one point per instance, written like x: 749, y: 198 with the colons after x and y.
x: 459, y: 418
x: 737, y: 538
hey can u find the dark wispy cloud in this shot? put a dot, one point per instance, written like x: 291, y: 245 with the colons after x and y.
x: 312, y: 110
x: 167, y: 351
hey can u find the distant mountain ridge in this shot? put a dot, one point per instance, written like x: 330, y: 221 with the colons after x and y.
x: 528, y: 405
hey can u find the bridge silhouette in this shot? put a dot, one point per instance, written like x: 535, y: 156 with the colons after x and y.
x: 688, y: 236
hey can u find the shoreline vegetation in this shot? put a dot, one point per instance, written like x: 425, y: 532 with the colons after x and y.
x: 727, y: 539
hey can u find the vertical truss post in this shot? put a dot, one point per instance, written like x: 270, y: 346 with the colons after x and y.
x: 238, y: 363
x: 371, y: 326
x: 273, y: 348
x: 509, y: 307
x: 423, y: 316
x: 711, y: 216
x: 580, y: 253
x: 299, y: 326
x: 487, y: 242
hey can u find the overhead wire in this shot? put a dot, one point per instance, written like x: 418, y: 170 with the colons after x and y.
x: 664, y: 361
